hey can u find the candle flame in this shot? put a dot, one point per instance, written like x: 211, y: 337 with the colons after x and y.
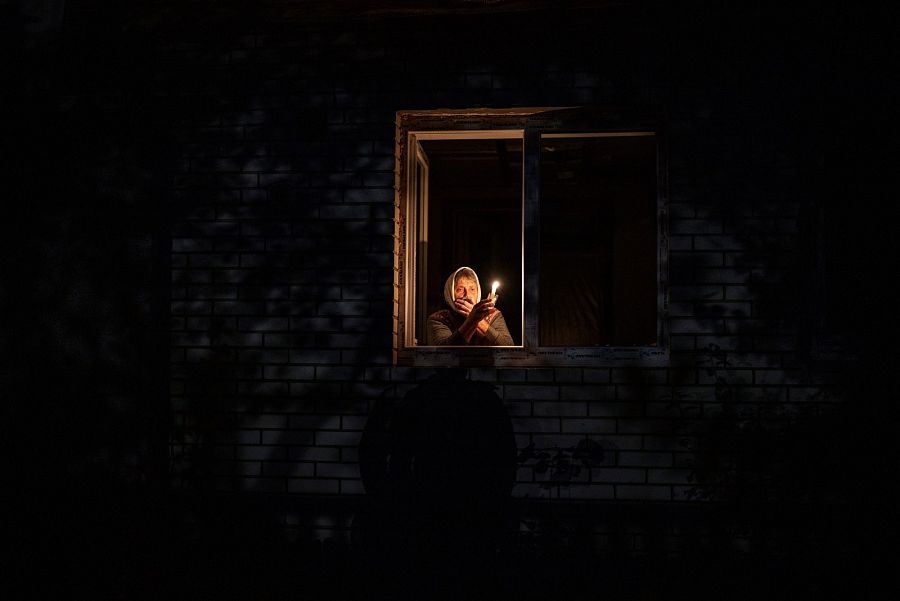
x: 494, y: 289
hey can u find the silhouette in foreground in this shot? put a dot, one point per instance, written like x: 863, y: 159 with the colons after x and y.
x: 438, y: 468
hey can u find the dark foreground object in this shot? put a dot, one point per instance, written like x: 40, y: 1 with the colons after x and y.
x: 438, y: 469
x: 140, y: 547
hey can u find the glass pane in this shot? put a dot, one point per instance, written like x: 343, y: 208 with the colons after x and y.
x: 474, y: 220
x: 598, y: 275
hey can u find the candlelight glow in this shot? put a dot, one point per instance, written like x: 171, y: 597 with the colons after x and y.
x: 494, y: 287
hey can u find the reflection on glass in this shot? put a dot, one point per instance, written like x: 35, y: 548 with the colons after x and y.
x: 597, y: 282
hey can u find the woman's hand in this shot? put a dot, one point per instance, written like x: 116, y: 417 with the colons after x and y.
x: 474, y: 312
x: 475, y: 316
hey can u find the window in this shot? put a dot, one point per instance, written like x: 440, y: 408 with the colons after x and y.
x: 563, y: 208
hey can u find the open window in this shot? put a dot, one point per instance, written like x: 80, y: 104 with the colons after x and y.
x: 564, y: 208
x: 467, y: 212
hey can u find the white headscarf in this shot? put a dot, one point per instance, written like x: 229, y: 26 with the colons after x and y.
x: 450, y: 286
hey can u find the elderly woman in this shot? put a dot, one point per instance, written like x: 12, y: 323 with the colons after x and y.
x: 470, y: 321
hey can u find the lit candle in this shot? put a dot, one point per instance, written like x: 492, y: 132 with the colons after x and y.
x: 494, y: 289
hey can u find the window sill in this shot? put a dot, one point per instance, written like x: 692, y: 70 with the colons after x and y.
x: 519, y: 357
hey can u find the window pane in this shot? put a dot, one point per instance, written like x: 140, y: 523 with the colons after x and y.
x: 598, y: 275
x: 474, y: 219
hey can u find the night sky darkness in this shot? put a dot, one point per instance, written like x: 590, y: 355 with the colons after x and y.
x: 197, y: 391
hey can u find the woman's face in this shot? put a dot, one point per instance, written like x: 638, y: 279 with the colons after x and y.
x: 465, y: 288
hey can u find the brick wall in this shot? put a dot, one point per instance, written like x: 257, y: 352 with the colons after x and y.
x: 281, y: 264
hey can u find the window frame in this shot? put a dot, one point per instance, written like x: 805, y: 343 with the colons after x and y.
x: 533, y: 123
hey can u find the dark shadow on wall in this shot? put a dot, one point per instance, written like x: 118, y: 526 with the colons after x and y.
x: 791, y: 450
x: 260, y: 379
x: 86, y: 254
